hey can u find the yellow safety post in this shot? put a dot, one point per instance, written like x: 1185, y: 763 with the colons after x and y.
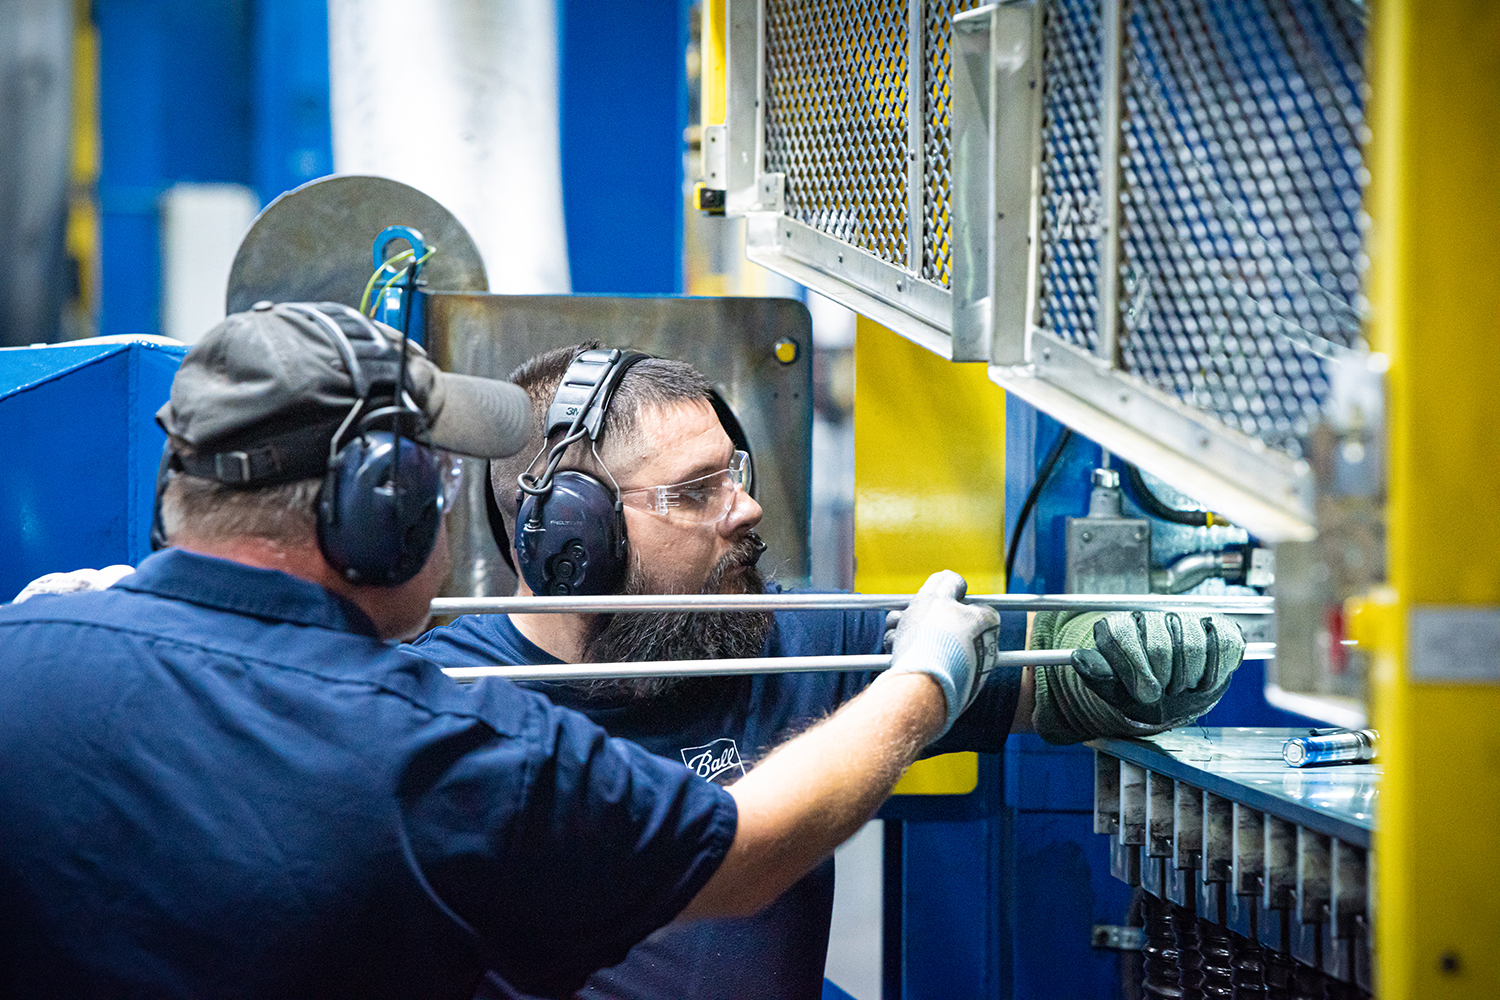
x: 929, y: 489
x: 81, y: 232
x: 711, y: 55
x: 1434, y: 200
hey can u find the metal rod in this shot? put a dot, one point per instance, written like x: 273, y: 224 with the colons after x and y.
x: 844, y: 602
x: 761, y: 665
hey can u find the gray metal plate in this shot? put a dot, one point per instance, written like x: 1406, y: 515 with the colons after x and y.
x: 1245, y: 766
x: 730, y: 340
x: 312, y: 244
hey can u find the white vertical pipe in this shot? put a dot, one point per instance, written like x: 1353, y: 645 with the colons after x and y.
x: 458, y: 98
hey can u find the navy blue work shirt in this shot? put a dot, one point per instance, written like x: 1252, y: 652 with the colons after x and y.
x: 218, y: 782
x: 719, y: 726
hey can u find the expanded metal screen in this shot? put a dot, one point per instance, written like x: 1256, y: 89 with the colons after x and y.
x: 1236, y: 157
x: 1070, y: 206
x: 836, y: 117
x: 937, y: 151
x: 1241, y: 181
x: 1241, y: 237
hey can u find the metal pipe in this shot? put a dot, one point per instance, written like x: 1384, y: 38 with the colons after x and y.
x: 1192, y: 569
x: 760, y: 665
x: 843, y: 602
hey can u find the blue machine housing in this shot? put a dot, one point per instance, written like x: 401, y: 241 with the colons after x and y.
x: 84, y: 446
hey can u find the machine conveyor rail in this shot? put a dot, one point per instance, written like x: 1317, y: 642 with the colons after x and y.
x: 1213, y: 820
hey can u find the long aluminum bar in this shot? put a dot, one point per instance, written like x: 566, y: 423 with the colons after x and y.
x: 847, y: 602
x: 761, y: 665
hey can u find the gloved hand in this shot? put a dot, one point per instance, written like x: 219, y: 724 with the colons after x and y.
x: 76, y: 582
x: 1135, y: 673
x: 953, y: 643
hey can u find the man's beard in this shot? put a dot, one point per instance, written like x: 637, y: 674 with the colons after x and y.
x: 679, y: 635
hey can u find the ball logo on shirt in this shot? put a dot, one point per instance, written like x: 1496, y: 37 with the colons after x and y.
x: 718, y: 761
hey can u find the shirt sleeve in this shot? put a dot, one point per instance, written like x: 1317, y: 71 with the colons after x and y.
x: 560, y: 871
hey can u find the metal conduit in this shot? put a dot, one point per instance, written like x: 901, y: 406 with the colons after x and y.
x: 848, y: 602
x: 761, y: 665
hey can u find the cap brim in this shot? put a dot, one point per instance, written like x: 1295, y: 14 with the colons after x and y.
x: 482, y: 417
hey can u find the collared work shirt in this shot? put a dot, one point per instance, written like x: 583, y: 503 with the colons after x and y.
x: 720, y: 726
x: 218, y: 782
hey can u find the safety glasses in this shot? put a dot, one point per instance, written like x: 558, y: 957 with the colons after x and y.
x: 451, y: 471
x: 707, y: 499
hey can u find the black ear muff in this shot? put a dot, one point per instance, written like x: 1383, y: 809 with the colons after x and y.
x: 572, y: 541
x: 377, y: 521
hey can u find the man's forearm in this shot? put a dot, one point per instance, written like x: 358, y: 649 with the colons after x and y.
x: 814, y: 792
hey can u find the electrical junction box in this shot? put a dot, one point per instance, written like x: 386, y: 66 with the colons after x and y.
x: 1108, y: 555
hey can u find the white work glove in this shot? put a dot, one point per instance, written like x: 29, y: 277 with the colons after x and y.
x: 76, y: 582
x: 1135, y: 673
x: 953, y: 643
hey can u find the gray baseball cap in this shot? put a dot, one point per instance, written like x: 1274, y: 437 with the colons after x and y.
x: 261, y: 397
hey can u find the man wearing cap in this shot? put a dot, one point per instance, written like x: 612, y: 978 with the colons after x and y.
x: 691, y: 528
x: 222, y: 779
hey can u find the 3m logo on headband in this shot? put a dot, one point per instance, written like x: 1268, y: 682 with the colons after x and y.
x: 718, y: 761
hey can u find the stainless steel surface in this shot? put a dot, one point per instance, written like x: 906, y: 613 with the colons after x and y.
x: 1187, y: 572
x: 1108, y: 555
x: 860, y: 279
x: 995, y: 114
x: 749, y: 665
x: 1245, y: 766
x: 744, y: 106
x: 1107, y: 318
x: 1316, y: 675
x: 313, y: 243
x: 731, y: 340
x: 1273, y: 853
x: 793, y: 602
x: 1255, y: 486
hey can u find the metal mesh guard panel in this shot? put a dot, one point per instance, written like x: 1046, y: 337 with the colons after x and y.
x: 836, y: 117
x: 1070, y: 171
x: 937, y: 152
x: 1241, y: 230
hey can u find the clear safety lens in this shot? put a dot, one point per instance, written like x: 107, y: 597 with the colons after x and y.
x: 705, y: 499
x: 451, y: 471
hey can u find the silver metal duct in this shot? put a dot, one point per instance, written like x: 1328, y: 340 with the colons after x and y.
x: 458, y: 98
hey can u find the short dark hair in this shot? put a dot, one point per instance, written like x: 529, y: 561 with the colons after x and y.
x: 209, y: 510
x: 653, y: 382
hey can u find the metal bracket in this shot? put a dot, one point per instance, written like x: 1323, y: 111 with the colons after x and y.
x: 1117, y: 938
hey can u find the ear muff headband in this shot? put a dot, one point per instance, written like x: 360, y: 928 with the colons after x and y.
x: 570, y: 527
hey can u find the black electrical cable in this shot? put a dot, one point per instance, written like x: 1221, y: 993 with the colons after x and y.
x: 1157, y: 508
x: 1043, y: 474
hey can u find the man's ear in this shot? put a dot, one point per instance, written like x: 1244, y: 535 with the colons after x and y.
x: 496, y: 519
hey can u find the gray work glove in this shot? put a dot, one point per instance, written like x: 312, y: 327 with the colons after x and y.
x: 1135, y: 673
x: 954, y: 644
x: 76, y: 582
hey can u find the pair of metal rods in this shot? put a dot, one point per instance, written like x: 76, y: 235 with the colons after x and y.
x: 761, y: 665
x: 615, y: 604
x: 618, y: 603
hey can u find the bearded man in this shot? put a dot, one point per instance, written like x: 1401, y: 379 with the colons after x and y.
x: 691, y: 528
